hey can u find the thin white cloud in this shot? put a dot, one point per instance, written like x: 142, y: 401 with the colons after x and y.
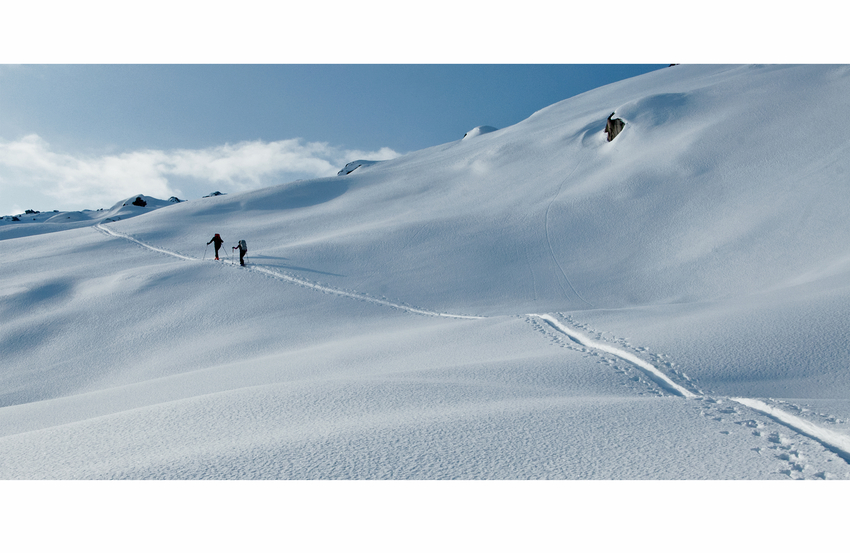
x: 79, y: 182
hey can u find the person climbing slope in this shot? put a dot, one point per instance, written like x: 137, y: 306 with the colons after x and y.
x: 243, y: 249
x: 218, y: 242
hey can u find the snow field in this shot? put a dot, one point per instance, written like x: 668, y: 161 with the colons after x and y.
x: 381, y: 328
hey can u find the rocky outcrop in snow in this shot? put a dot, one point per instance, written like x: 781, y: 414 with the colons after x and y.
x: 613, y: 127
x: 350, y: 167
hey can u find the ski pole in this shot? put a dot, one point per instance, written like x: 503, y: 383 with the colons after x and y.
x: 205, y: 252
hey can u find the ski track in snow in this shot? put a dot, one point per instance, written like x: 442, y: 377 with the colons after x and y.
x: 101, y: 227
x: 654, y: 373
x: 833, y: 441
x: 837, y: 443
x: 549, y: 241
x: 354, y: 295
x: 294, y: 280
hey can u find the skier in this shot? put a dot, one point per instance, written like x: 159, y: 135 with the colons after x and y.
x: 243, y: 249
x: 218, y: 242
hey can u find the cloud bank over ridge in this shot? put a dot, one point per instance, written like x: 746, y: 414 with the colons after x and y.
x: 32, y: 171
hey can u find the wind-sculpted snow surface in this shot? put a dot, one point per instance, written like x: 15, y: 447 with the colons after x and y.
x: 834, y: 441
x: 690, y: 281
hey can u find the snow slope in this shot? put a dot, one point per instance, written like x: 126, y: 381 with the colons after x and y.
x: 532, y: 303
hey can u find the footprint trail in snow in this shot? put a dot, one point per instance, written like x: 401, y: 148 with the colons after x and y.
x: 656, y: 375
x: 835, y: 442
x: 294, y: 280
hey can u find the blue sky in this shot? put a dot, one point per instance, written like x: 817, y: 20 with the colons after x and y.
x: 77, y: 136
x: 403, y: 107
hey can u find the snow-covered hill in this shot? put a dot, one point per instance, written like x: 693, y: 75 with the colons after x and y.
x: 35, y: 222
x: 534, y: 302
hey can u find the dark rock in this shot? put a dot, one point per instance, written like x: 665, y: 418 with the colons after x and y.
x: 613, y: 127
x: 350, y: 167
x: 140, y: 202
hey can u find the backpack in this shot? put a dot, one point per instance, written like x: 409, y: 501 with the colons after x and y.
x: 243, y: 245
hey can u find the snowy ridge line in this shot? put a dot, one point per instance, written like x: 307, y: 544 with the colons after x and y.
x: 659, y: 377
x: 837, y: 443
x: 295, y: 280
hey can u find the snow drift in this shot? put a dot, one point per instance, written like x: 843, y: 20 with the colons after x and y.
x: 478, y: 131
